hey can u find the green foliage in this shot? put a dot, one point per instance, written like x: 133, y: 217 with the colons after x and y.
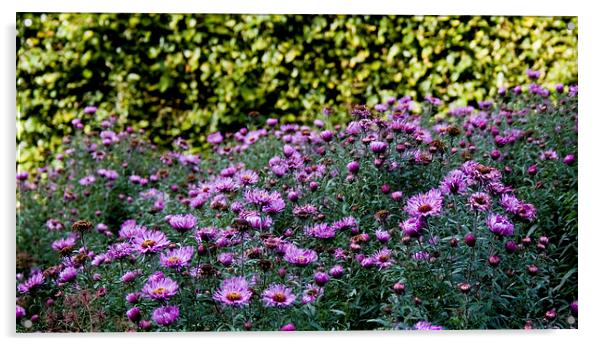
x: 196, y: 73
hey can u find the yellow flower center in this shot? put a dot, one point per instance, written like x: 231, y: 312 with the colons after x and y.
x: 148, y: 243
x: 159, y: 290
x: 425, y: 208
x: 233, y: 296
x: 279, y: 297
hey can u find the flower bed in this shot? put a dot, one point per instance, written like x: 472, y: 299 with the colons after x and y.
x: 396, y: 220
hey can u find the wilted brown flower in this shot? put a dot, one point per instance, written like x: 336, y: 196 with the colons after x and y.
x: 81, y: 226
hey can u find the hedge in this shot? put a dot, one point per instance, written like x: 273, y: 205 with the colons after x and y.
x: 190, y: 74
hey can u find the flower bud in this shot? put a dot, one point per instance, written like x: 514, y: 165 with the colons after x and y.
x: 399, y: 288
x: 569, y: 159
x: 494, y: 261
x: 532, y: 269
x: 145, y: 324
x: 321, y: 278
x: 470, y: 240
x: 464, y: 287
x: 385, y: 188
x: 337, y: 271
x: 134, y: 314
x: 288, y: 328
x: 510, y: 246
x: 574, y: 308
x: 248, y: 325
x: 550, y: 314
x: 397, y: 195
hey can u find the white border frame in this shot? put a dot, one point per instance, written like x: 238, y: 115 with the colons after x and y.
x: 589, y: 189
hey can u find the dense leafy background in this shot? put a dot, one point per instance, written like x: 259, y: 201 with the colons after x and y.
x: 186, y: 75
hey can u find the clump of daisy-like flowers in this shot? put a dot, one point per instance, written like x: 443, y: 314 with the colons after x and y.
x: 405, y: 217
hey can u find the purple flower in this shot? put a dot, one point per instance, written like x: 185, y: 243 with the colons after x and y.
x: 132, y: 298
x: 510, y: 246
x: 90, y: 109
x: 337, y: 271
x: 22, y: 176
x: 527, y: 211
x: 421, y: 256
x: 166, y: 315
x: 304, y: 211
x: 433, y: 100
x: 480, y: 201
x: 426, y: 204
x: 532, y: 170
x: 397, y: 195
x: 424, y: 325
x: 326, y: 135
x: 181, y: 223
x: 354, y: 128
x: 133, y: 314
x: 20, y: 312
x: 275, y: 206
x: 533, y: 74
x: 116, y: 251
x: 64, y: 245
x: 382, y: 235
x: 290, y: 327
x: 514, y: 206
x: 346, y: 223
x: 33, y: 281
x: 130, y: 276
x: 321, y: 231
x: 225, y: 259
x: 255, y: 220
x: 278, y: 295
x: 311, y: 293
x: 548, y: 155
x: 321, y: 278
x: 206, y: 233
x: 177, y: 258
x: 215, y: 138
x: 258, y: 197
x: 383, y: 258
x: 481, y: 173
x: 353, y: 167
x: 160, y: 288
x: 54, y: 225
x: 339, y: 253
x: 569, y: 159
x: 299, y: 257
x: 77, y: 123
x: 500, y: 225
x: 67, y: 275
x: 233, y: 291
x: 88, y: 180
x: 247, y: 177
x: 378, y: 147
x: 129, y: 229
x: 360, y: 111
x: 510, y: 203
x: 381, y: 108
x: 574, y: 307
x: 150, y: 241
x: 225, y: 185
x: 412, y: 226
